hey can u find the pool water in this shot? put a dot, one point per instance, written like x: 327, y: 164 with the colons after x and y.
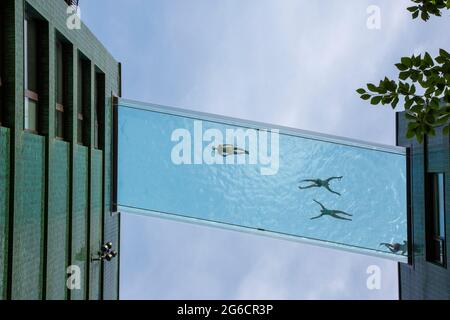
x: 372, y: 189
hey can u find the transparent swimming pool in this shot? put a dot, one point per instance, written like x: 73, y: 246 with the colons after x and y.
x: 361, y: 208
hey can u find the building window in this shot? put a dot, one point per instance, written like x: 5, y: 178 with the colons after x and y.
x: 435, y: 219
x: 84, y: 97
x: 61, y: 123
x: 99, y: 109
x: 31, y: 75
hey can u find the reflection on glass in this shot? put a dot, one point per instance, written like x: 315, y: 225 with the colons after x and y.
x: 441, y: 205
x: 30, y: 75
x: 80, y: 132
x: 59, y: 124
x: 30, y: 115
x: 324, y: 190
x: 436, y: 219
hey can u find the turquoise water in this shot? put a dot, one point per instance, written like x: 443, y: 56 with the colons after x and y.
x: 372, y: 188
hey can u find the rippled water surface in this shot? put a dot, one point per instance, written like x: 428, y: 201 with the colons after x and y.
x: 372, y: 187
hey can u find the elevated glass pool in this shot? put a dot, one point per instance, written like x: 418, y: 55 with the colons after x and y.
x: 296, y: 185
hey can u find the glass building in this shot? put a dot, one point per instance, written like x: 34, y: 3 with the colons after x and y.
x: 57, y: 82
x: 427, y: 276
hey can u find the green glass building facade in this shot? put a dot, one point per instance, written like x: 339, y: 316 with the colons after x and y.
x: 427, y: 275
x: 56, y: 90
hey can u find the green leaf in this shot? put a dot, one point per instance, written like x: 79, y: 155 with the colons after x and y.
x: 447, y: 76
x: 403, y: 88
x: 427, y: 58
x: 365, y: 96
x: 434, y: 103
x: 410, y: 134
x: 425, y: 16
x: 429, y: 91
x: 401, y: 67
x: 444, y: 53
x: 409, y: 116
x: 412, y: 9
x: 416, y: 108
x: 382, y: 88
x: 394, y: 102
x: 361, y: 91
x: 406, y: 61
x: 387, y: 100
x: 415, y: 14
x: 404, y: 75
x: 372, y: 87
x: 413, y: 125
x: 443, y: 120
x: 408, y: 104
x: 417, y: 60
x: 440, y: 60
x: 414, y: 76
x: 376, y: 100
x: 391, y: 86
x: 431, y: 132
x: 419, y: 100
x: 419, y: 137
x: 446, y: 129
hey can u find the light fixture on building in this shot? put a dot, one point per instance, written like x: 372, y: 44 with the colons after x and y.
x: 106, y: 253
x: 72, y: 2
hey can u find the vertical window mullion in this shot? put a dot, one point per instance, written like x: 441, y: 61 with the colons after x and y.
x: 80, y: 102
x: 31, y: 104
x: 99, y: 108
x: 441, y: 206
x: 1, y: 62
x: 25, y: 67
x: 25, y: 52
x: 435, y: 219
x: 61, y: 79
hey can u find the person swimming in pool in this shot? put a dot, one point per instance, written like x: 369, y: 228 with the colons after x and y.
x: 332, y: 213
x: 228, y: 149
x: 396, y: 247
x: 319, y: 183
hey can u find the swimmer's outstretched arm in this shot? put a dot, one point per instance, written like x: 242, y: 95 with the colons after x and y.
x: 385, y: 244
x: 319, y: 216
x: 389, y: 246
x: 319, y: 204
x: 334, y: 178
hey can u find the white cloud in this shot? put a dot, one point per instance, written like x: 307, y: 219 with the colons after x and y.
x: 183, y: 261
x: 290, y: 62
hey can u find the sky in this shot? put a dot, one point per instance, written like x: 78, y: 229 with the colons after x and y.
x: 294, y: 63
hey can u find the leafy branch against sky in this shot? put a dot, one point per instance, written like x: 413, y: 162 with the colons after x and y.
x: 425, y: 8
x: 422, y: 86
